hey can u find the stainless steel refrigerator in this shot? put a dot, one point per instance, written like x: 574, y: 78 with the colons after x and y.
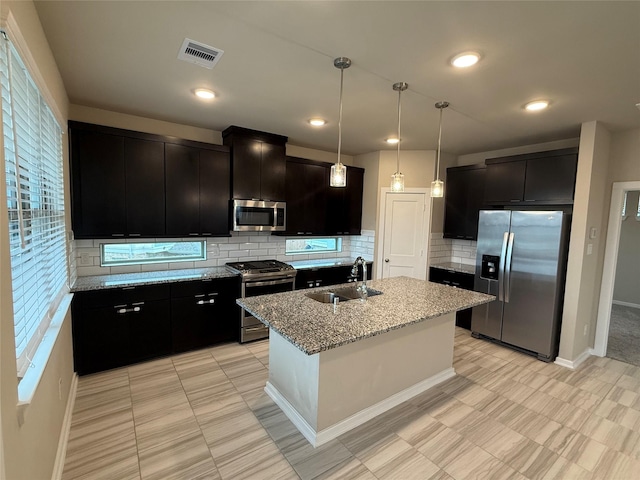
x: 521, y: 259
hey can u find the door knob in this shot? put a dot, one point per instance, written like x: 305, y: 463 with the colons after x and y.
x: 386, y: 260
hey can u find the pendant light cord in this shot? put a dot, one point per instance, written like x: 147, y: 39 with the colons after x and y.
x: 439, y: 140
x: 340, y: 115
x: 399, y: 113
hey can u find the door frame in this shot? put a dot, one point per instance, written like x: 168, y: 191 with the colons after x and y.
x: 380, y: 234
x: 610, y: 263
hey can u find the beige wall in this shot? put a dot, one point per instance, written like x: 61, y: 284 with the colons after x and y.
x: 320, y: 155
x: 141, y: 124
x: 29, y: 448
x: 584, y: 269
x: 627, y: 288
x: 418, y: 167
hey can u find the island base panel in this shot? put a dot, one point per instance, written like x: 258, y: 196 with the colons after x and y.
x: 334, y: 391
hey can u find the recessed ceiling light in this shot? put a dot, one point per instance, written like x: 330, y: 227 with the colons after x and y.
x: 465, y: 59
x: 317, y: 122
x: 392, y: 141
x: 536, y: 105
x: 204, y: 93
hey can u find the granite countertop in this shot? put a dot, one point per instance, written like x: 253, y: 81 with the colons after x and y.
x: 456, y: 267
x: 323, y: 263
x: 101, y: 282
x: 313, y: 327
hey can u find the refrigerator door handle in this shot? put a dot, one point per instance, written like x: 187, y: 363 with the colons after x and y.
x: 507, y: 281
x: 503, y: 255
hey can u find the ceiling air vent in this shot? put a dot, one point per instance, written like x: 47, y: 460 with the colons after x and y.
x: 199, y: 53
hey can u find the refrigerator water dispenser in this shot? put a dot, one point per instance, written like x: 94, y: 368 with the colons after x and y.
x: 490, y: 264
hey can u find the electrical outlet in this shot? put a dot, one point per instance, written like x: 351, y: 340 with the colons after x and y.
x: 589, y: 248
x: 85, y: 258
x: 586, y: 329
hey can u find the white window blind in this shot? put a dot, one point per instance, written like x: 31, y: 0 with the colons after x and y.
x: 35, y: 204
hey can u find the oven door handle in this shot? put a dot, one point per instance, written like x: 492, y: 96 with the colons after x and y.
x: 269, y: 282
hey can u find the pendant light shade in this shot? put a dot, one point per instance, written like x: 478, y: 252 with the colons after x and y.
x: 338, y: 176
x: 397, y: 179
x: 437, y: 186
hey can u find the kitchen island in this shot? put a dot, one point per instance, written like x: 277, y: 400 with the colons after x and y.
x: 332, y: 369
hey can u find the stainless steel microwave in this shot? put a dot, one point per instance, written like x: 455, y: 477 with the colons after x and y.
x: 259, y: 216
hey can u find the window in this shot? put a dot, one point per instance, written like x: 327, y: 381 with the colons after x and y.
x: 35, y: 203
x: 312, y: 245
x: 136, y: 253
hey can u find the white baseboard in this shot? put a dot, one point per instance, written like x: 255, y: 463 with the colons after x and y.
x: 58, y: 465
x: 625, y: 304
x: 323, y: 436
x: 574, y: 364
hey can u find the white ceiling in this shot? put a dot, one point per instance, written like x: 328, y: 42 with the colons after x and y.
x: 277, y: 69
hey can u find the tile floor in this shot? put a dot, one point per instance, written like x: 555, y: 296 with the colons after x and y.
x: 504, y: 416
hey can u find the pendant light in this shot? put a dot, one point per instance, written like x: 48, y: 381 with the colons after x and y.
x: 397, y: 179
x: 338, y: 176
x: 437, y: 186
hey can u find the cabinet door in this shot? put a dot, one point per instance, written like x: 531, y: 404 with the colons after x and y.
x: 505, y: 182
x: 355, y: 185
x: 100, y: 338
x: 149, y: 330
x: 204, y: 313
x: 306, y: 186
x: 215, y: 171
x: 144, y: 180
x: 344, y: 205
x: 247, y: 163
x: 455, y: 203
x: 182, y: 190
x: 551, y: 179
x: 273, y: 168
x: 476, y: 179
x: 98, y: 194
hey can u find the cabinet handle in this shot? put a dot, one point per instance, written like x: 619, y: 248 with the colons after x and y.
x: 117, y: 234
x: 207, y: 233
x: 309, y: 233
x: 300, y: 233
x: 128, y: 310
x: 134, y: 234
x: 206, y: 302
x: 128, y: 288
x: 193, y: 234
x: 455, y: 284
x: 254, y: 329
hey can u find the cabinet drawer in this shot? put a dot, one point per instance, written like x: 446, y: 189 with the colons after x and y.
x: 229, y: 287
x: 451, y: 278
x: 124, y: 295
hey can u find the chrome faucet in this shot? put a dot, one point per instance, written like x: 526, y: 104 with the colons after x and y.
x: 362, y: 287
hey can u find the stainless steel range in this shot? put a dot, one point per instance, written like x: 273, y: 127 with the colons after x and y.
x: 260, y: 277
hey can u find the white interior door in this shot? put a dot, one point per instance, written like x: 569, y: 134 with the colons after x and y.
x: 405, y: 235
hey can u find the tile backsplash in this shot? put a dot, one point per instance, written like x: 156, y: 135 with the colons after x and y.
x: 85, y: 254
x: 443, y: 250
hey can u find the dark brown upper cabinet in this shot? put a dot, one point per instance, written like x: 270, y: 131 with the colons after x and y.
x: 119, y: 186
x: 197, y: 191
x: 542, y: 178
x: 258, y: 162
x: 344, y: 205
x: 306, y: 196
x: 463, y: 199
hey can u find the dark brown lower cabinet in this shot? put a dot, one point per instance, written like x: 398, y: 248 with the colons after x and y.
x: 204, y: 313
x: 323, y: 276
x: 458, y: 280
x: 117, y: 327
x: 121, y: 326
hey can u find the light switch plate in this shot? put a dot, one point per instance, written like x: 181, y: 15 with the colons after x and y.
x: 593, y: 233
x: 589, y: 248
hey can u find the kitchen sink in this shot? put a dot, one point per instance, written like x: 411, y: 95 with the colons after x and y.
x: 343, y: 294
